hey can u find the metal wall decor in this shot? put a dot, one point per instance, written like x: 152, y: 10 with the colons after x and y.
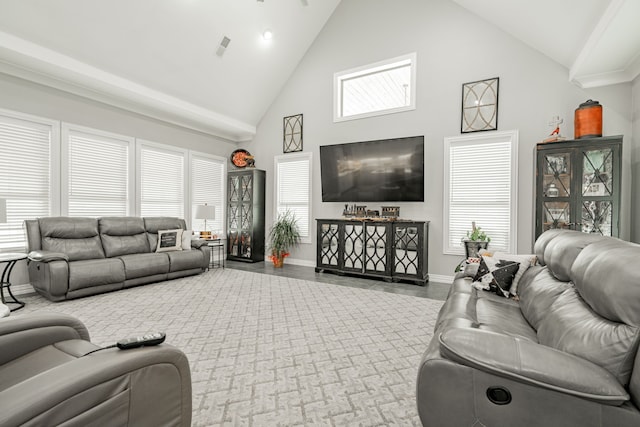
x: 480, y: 105
x: 292, y: 134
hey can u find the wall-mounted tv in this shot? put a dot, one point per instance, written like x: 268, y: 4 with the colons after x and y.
x: 387, y: 170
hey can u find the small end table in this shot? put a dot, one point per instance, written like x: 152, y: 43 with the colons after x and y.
x: 11, y: 258
x: 217, y: 245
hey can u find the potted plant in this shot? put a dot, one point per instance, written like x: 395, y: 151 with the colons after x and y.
x: 283, y: 235
x: 475, y: 240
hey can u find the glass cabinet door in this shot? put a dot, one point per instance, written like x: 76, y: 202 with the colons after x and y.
x: 556, y: 180
x: 353, y: 246
x: 329, y: 244
x: 597, y: 189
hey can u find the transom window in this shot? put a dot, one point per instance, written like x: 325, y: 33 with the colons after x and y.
x: 381, y: 88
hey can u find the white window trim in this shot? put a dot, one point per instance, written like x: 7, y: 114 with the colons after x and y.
x: 511, y: 136
x: 223, y: 160
x: 366, y: 69
x: 64, y: 163
x: 140, y: 144
x: 294, y: 157
x: 54, y: 150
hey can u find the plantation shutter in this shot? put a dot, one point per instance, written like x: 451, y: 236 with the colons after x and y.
x: 98, y: 174
x: 161, y: 182
x: 207, y: 186
x: 27, y: 145
x: 293, y: 190
x: 481, y: 187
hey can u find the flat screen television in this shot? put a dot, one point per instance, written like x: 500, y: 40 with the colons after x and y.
x: 387, y: 170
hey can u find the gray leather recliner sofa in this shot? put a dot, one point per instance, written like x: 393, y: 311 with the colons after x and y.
x: 47, y: 378
x: 72, y: 257
x: 565, y: 354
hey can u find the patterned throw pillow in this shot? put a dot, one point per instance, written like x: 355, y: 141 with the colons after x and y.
x: 495, y: 275
x: 169, y: 240
x: 525, y: 261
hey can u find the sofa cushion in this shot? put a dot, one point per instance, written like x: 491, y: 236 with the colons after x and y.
x: 140, y: 265
x: 570, y: 325
x: 123, y: 235
x: 95, y: 272
x: 76, y: 237
x: 538, y: 290
x: 495, y: 275
x: 185, y: 260
x: 561, y: 252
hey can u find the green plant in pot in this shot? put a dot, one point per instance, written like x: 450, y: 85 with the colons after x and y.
x: 475, y: 240
x: 284, y: 234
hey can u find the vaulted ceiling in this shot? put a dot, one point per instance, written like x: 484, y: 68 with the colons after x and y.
x: 164, y: 59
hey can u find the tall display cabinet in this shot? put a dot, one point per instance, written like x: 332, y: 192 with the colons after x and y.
x: 245, y: 215
x: 578, y: 185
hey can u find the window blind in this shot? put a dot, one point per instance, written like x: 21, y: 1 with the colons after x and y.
x: 207, y: 186
x: 98, y: 174
x: 161, y: 182
x: 293, y: 190
x: 25, y: 175
x: 481, y: 183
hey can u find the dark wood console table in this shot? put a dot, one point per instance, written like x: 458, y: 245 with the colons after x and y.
x: 389, y: 250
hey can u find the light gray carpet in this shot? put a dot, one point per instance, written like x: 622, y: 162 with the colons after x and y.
x: 267, y: 350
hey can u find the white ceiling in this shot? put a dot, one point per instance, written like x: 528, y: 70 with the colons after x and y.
x: 162, y: 58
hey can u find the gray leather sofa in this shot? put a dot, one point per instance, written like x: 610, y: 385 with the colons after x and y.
x: 72, y: 257
x: 565, y: 355
x: 47, y: 378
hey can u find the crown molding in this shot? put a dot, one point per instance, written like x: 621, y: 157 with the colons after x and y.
x: 29, y: 61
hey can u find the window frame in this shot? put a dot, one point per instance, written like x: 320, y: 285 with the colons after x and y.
x: 369, y: 69
x: 53, y: 195
x: 308, y: 156
x: 476, y: 139
x: 67, y: 128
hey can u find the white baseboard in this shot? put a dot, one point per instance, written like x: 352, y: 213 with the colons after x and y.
x: 301, y: 262
x: 440, y: 278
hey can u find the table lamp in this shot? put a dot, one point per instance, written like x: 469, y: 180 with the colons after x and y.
x: 205, y: 212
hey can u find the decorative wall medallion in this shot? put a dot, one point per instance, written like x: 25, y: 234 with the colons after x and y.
x: 292, y: 131
x: 480, y: 105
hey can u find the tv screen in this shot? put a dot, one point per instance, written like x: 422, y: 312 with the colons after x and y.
x: 388, y: 170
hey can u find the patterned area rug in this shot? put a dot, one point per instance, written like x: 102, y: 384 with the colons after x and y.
x: 267, y: 350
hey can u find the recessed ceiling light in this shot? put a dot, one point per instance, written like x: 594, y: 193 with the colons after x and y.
x: 267, y: 34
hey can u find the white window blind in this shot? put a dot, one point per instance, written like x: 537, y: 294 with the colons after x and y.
x: 28, y: 146
x: 480, y: 185
x: 207, y: 186
x: 293, y: 189
x: 97, y: 178
x: 384, y: 87
x: 161, y: 181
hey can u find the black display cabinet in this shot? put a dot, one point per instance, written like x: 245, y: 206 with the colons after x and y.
x: 245, y: 215
x: 389, y: 250
x: 578, y: 185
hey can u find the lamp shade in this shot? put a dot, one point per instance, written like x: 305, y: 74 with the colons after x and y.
x: 3, y: 211
x: 205, y: 212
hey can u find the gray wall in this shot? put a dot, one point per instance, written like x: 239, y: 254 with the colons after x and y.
x: 453, y: 46
x: 26, y: 97
x: 635, y: 159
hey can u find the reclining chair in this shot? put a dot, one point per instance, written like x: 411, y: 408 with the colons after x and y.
x: 47, y: 378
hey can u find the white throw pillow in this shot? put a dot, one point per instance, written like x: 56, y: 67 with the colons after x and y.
x: 186, y: 240
x: 525, y: 262
x: 169, y: 240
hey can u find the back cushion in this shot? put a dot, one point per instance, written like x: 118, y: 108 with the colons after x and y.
x: 538, y: 290
x: 561, y: 252
x: 123, y: 236
x: 76, y: 237
x: 153, y: 224
x: 570, y: 325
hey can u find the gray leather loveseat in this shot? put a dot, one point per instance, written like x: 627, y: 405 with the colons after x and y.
x: 72, y: 257
x: 565, y: 354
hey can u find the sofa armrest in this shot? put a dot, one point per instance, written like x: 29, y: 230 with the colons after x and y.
x: 198, y: 243
x: 20, y: 335
x: 143, y: 386
x: 47, y: 256
x: 531, y: 363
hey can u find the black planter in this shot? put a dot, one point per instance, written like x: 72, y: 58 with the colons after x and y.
x: 472, y: 247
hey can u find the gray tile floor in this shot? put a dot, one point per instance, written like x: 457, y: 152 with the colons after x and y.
x: 432, y: 290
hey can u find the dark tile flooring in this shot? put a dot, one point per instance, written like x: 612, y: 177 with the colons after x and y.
x: 432, y: 290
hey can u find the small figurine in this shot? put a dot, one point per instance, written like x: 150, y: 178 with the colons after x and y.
x: 555, y: 135
x: 251, y: 161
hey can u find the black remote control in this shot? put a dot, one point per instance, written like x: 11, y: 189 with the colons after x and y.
x: 144, y: 340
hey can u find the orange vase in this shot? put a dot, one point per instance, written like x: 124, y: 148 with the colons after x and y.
x: 588, y: 120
